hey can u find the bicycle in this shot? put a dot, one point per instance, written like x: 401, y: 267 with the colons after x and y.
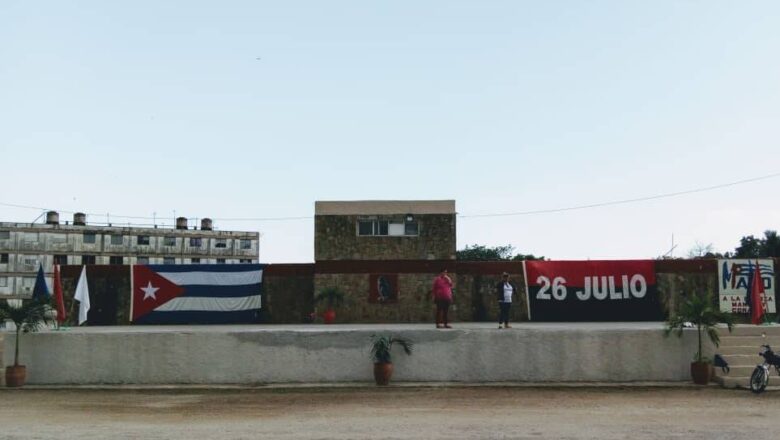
x: 760, y: 377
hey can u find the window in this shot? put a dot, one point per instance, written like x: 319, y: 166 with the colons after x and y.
x: 220, y: 261
x: 115, y: 260
x: 246, y: 244
x: 5, y: 235
x: 117, y: 239
x: 60, y: 259
x: 87, y: 259
x: 3, y: 258
x: 220, y: 243
x: 373, y: 227
x: 142, y: 260
x: 169, y: 260
x: 142, y: 240
x: 3, y: 281
x: 411, y: 228
x: 89, y: 238
x: 31, y: 262
x: 28, y: 282
x: 195, y: 242
x: 30, y: 237
x: 169, y: 241
x: 195, y: 261
x: 245, y: 260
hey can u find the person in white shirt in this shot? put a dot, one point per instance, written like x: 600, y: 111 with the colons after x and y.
x: 505, y: 290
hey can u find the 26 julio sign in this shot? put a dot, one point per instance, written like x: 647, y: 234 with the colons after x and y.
x: 592, y: 291
x: 734, y: 284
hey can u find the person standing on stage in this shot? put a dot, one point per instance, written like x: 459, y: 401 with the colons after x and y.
x: 442, y: 296
x: 505, y: 290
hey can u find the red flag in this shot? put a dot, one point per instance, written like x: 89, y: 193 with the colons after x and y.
x: 61, y: 314
x: 756, y: 303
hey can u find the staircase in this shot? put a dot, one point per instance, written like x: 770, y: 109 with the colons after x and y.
x: 740, y: 349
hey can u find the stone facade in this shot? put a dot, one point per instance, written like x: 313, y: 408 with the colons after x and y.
x: 384, y: 230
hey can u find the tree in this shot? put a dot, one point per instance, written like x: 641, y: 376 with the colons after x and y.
x: 701, y: 250
x: 497, y: 253
x: 752, y: 247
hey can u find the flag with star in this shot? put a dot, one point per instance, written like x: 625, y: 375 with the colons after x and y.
x: 196, y: 294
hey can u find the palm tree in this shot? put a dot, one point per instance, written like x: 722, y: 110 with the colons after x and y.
x: 699, y: 310
x: 28, y: 317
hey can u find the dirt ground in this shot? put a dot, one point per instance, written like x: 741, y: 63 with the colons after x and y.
x: 391, y: 413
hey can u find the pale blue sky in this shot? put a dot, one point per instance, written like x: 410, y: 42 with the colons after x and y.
x: 138, y: 107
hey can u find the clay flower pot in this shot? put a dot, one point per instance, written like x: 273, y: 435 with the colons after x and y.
x: 383, y: 371
x: 329, y: 316
x: 700, y: 372
x: 15, y: 376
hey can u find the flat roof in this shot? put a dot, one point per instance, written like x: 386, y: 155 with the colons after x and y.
x: 384, y: 207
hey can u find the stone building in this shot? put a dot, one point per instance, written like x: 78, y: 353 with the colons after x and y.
x: 383, y: 255
x: 384, y: 230
x: 23, y: 246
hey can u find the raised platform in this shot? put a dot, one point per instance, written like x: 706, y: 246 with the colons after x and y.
x: 471, y: 352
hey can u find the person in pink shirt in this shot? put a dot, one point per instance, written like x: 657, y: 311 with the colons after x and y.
x: 442, y: 296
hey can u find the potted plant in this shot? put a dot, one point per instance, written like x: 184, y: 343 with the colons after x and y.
x: 701, y: 312
x: 28, y: 316
x: 332, y: 297
x: 380, y: 352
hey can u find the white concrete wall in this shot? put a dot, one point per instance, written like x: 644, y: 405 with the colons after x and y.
x: 311, y: 354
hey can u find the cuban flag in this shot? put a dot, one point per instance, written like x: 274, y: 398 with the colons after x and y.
x: 196, y: 294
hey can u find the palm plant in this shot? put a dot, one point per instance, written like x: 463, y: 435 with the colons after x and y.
x: 699, y: 310
x: 28, y: 317
x: 330, y: 295
x: 382, y: 345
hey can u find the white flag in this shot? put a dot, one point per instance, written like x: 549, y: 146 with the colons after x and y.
x: 82, y: 296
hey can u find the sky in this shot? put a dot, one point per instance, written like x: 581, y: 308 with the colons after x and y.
x: 256, y: 109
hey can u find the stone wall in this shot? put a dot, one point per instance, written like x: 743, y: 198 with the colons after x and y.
x: 288, y: 293
x: 335, y: 238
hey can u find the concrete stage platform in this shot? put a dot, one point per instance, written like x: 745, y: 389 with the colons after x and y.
x: 262, y: 354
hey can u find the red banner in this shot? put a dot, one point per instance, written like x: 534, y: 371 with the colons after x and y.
x: 592, y: 291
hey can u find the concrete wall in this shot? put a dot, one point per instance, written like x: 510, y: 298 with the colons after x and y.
x: 312, y: 354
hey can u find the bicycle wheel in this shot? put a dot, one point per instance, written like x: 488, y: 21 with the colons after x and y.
x: 758, y: 380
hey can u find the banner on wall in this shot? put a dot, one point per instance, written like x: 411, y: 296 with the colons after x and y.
x: 735, y: 277
x: 581, y: 291
x: 196, y: 293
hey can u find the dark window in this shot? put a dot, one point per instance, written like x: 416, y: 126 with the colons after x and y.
x: 246, y: 244
x: 195, y: 261
x: 195, y: 241
x: 169, y: 260
x: 142, y: 240
x: 220, y: 261
x: 220, y: 243
x: 89, y: 238
x: 5, y: 235
x: 142, y: 260
x: 245, y: 260
x: 372, y: 227
x: 60, y: 259
x: 87, y: 259
x: 115, y: 260
x: 365, y: 227
x: 411, y: 228
x: 169, y: 241
x: 117, y: 239
x: 3, y: 258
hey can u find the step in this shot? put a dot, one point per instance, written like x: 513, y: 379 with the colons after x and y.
x: 757, y: 341
x: 743, y: 360
x: 737, y: 349
x: 744, y: 382
x: 750, y: 330
x: 740, y: 371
